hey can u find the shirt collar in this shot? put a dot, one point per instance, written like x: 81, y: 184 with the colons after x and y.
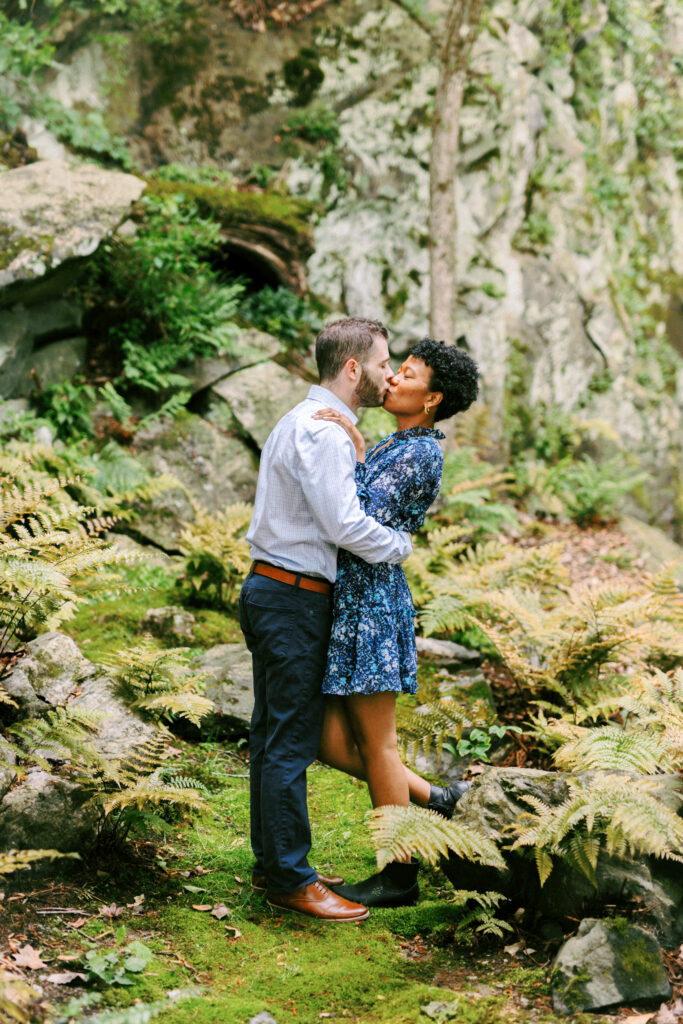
x: 328, y: 398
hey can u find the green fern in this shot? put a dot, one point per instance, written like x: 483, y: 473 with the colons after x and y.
x: 152, y: 791
x: 158, y: 682
x: 48, y: 545
x: 618, y: 814
x: 216, y: 555
x: 480, y: 918
x: 432, y: 724
x: 18, y: 860
x: 61, y: 734
x: 398, y: 832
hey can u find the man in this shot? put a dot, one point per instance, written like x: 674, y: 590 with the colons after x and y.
x: 306, y: 507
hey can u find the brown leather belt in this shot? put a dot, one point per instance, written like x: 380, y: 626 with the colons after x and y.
x: 294, y: 579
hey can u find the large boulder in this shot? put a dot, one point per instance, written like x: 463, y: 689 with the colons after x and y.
x: 51, y: 211
x: 496, y: 801
x: 251, y: 347
x: 208, y: 466
x: 229, y: 684
x: 656, y: 549
x: 16, y: 343
x: 59, y: 360
x: 608, y: 964
x: 257, y: 398
x: 47, y: 809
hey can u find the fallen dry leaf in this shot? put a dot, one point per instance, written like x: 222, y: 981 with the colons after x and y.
x: 238, y: 879
x: 66, y: 977
x: 236, y: 933
x: 79, y: 923
x: 636, y: 1018
x: 220, y: 911
x: 29, y: 957
x: 665, y: 1016
x: 514, y: 949
x: 201, y: 906
x: 111, y: 911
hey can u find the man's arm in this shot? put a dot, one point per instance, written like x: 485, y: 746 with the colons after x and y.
x: 326, y: 462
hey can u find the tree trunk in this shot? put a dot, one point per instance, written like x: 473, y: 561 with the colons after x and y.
x: 461, y: 29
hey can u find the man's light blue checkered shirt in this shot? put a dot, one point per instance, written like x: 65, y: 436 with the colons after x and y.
x: 306, y: 502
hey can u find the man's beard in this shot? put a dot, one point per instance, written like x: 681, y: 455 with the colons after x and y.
x: 367, y: 392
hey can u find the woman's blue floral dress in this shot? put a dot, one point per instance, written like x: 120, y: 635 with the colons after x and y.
x: 372, y: 646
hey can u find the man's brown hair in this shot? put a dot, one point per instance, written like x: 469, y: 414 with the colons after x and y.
x: 350, y: 338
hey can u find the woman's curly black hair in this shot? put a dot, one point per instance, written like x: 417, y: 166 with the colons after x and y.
x: 454, y: 373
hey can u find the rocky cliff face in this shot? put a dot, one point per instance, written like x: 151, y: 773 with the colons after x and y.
x: 570, y: 251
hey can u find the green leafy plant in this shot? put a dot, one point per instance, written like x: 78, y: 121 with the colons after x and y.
x: 48, y: 544
x: 639, y: 728
x: 398, y: 832
x: 67, y: 406
x: 24, y: 52
x: 115, y: 967
x: 588, y: 491
x: 440, y: 725
x: 316, y: 124
x: 621, y: 815
x: 159, y: 682
x: 194, y: 175
x: 174, y: 307
x: 480, y: 914
x: 216, y: 556
x: 283, y: 314
x: 477, y: 743
x: 469, y: 494
x: 84, y: 132
x: 136, y: 1013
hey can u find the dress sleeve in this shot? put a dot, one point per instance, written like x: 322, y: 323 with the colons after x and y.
x: 326, y: 472
x: 360, y: 475
x: 402, y: 492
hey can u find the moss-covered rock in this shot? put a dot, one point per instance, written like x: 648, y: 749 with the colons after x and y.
x: 262, y: 227
x: 51, y: 211
x: 606, y: 964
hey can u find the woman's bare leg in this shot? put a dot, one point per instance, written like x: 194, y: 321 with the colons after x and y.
x: 339, y: 749
x: 373, y: 720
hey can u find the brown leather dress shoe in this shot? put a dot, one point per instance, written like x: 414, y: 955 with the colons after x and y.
x: 315, y: 900
x: 261, y: 882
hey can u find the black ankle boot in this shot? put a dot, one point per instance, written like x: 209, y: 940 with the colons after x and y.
x: 394, y: 886
x: 443, y: 799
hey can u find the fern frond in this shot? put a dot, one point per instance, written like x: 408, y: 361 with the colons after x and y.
x: 191, y: 706
x: 611, y: 748
x: 398, y: 832
x: 618, y: 813
x: 17, y: 860
x: 150, y: 791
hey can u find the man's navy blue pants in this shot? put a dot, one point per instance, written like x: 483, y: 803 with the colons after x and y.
x: 287, y: 631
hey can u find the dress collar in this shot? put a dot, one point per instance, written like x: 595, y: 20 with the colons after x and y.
x: 327, y: 397
x: 420, y: 432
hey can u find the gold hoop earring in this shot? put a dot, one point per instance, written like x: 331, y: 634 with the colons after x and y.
x: 426, y: 410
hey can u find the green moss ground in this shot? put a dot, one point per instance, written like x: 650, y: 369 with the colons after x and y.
x: 375, y: 972
x: 108, y: 622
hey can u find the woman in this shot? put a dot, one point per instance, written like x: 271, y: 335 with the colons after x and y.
x: 372, y: 655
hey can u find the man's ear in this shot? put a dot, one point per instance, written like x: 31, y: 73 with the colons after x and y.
x: 352, y: 369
